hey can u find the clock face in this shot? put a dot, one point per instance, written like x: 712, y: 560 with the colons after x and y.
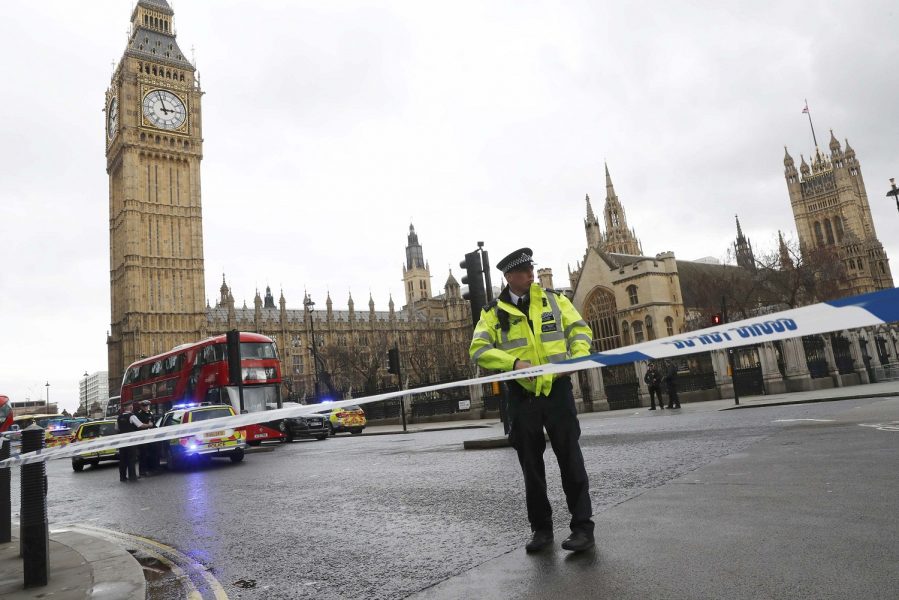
x: 112, y: 117
x: 164, y: 109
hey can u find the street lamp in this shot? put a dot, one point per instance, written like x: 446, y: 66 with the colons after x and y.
x: 894, y: 192
x: 84, y: 391
x: 310, y: 306
x: 47, y: 385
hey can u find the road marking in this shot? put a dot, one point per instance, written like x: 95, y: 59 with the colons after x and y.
x: 793, y: 420
x: 890, y: 426
x: 182, y: 565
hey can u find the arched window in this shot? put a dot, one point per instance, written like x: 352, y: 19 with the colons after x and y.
x: 828, y: 229
x: 625, y: 333
x: 632, y: 294
x: 838, y: 224
x: 599, y: 312
x: 669, y: 325
x: 637, y: 326
x: 819, y: 235
x: 650, y: 332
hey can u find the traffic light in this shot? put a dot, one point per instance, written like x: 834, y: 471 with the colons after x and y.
x: 393, y: 361
x: 476, y: 293
x: 716, y: 319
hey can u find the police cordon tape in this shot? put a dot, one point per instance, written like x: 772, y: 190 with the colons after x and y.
x: 875, y: 308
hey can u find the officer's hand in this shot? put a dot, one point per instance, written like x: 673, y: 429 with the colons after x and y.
x: 522, y: 364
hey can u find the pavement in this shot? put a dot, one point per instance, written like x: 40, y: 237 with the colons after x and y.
x: 87, y: 566
x: 81, y: 566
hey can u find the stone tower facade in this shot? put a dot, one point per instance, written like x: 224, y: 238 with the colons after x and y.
x: 153, y: 151
x: 416, y: 272
x: 617, y: 239
x: 831, y: 211
x: 743, y: 249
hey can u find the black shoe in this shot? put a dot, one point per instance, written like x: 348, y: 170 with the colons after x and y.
x: 578, y: 541
x: 123, y: 480
x: 539, y: 541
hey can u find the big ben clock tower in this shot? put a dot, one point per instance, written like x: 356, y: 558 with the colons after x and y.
x: 154, y: 145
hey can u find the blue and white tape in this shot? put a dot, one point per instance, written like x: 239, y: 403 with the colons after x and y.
x: 875, y: 308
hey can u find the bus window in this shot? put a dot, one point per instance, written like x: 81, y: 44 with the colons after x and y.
x: 156, y: 369
x: 131, y: 375
x: 173, y: 364
x: 257, y: 350
x: 144, y: 373
x: 213, y: 353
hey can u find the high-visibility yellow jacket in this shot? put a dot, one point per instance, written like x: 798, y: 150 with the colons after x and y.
x: 556, y: 332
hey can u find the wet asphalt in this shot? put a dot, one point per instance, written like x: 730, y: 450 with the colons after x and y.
x: 395, y: 516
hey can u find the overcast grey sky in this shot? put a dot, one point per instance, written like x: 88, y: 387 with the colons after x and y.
x: 329, y: 126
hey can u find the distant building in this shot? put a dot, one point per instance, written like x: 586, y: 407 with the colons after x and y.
x: 33, y: 407
x: 93, y: 393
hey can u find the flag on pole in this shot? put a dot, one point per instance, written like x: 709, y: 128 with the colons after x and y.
x: 805, y: 110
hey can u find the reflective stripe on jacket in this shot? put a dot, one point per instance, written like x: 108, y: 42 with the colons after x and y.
x: 558, y: 333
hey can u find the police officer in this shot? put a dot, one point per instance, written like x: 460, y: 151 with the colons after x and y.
x: 126, y: 423
x: 528, y: 325
x: 653, y: 381
x: 146, y: 452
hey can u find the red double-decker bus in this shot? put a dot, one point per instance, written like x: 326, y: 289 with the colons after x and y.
x: 197, y: 373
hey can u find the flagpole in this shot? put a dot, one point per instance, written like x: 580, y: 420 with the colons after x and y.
x: 809, y: 113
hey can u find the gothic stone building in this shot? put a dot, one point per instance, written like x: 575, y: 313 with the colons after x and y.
x: 832, y: 214
x: 431, y: 333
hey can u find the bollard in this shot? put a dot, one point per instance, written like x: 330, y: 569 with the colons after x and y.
x: 5, y: 496
x: 34, y: 535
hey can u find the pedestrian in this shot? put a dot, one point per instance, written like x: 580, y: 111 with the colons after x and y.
x: 671, y: 384
x: 653, y: 380
x: 147, y: 460
x: 528, y: 325
x: 126, y: 423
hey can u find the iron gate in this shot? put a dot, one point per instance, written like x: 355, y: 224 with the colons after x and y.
x: 815, y: 357
x: 747, y: 377
x: 842, y: 354
x: 621, y: 385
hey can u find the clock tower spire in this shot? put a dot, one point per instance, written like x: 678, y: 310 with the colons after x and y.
x: 154, y: 145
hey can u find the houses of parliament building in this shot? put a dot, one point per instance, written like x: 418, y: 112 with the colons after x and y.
x: 154, y: 146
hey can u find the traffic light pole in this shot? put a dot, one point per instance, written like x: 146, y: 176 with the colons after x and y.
x: 393, y: 366
x: 730, y: 355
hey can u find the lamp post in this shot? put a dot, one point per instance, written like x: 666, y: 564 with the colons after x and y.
x: 47, y: 385
x: 894, y: 192
x: 84, y: 392
x: 310, y: 306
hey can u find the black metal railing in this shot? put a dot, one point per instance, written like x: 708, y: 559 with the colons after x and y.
x: 815, y: 357
x: 842, y: 354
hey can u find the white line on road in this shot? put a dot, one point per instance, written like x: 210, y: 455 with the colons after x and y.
x: 792, y: 420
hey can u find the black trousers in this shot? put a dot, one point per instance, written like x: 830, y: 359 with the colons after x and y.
x: 655, y: 392
x: 127, y: 463
x: 529, y: 415
x: 673, y: 400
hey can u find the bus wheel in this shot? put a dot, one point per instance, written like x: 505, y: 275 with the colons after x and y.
x: 78, y: 465
x: 236, y: 456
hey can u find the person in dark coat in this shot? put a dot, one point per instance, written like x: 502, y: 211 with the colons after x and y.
x: 147, y: 460
x: 653, y: 380
x: 126, y: 423
x: 671, y: 384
